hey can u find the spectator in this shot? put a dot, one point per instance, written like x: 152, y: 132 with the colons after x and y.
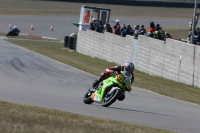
x: 189, y: 35
x: 123, y: 30
x: 87, y: 17
x: 163, y: 33
x: 167, y: 35
x: 195, y: 37
x: 96, y: 22
x: 117, y: 24
x: 116, y: 30
x: 134, y: 29
x: 158, y: 34
x: 92, y: 24
x: 142, y: 31
x: 198, y: 30
x: 108, y: 28
x: 136, y: 32
x: 99, y: 27
x: 151, y: 29
x: 129, y: 30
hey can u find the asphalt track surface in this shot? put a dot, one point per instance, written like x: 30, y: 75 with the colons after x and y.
x: 62, y: 24
x: 33, y: 79
x: 30, y: 78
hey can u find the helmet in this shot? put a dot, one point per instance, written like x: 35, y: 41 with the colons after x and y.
x: 129, y: 66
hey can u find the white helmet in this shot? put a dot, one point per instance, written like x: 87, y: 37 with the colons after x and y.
x: 93, y: 19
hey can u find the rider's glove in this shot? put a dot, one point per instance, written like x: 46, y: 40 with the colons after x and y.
x: 128, y: 87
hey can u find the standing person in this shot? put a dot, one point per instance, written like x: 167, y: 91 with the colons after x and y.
x: 158, y: 34
x: 136, y: 32
x: 117, y: 24
x: 92, y: 24
x: 129, y: 30
x: 123, y: 30
x: 87, y: 17
x: 195, y: 37
x: 151, y: 29
x: 116, y: 30
x: 100, y: 27
x: 163, y: 33
x: 142, y: 31
x: 108, y: 28
x: 189, y: 36
x: 198, y: 30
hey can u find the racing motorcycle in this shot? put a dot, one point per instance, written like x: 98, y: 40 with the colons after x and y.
x: 109, y: 90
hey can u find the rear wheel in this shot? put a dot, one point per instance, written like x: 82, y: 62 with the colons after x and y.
x: 111, y: 98
x: 86, y: 97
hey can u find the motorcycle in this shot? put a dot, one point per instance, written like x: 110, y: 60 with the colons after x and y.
x: 109, y: 90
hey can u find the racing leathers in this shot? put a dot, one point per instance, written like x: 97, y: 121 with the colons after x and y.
x: 107, y: 74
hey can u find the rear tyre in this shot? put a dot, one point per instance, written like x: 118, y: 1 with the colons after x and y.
x: 86, y: 97
x: 110, y: 99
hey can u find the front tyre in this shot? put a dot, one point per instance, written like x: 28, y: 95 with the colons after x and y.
x: 110, y: 99
x: 86, y: 97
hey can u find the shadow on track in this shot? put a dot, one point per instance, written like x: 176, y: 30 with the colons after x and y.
x: 132, y: 110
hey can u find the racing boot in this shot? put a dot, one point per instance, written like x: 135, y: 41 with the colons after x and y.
x: 95, y: 83
x: 103, y: 76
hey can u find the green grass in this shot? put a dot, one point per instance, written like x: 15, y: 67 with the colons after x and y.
x: 96, y: 66
x: 19, y: 118
x: 50, y: 8
x: 54, y: 8
x: 16, y: 118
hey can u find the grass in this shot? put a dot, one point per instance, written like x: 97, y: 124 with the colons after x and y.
x: 96, y: 66
x: 50, y: 8
x: 19, y: 118
x: 55, y: 8
x: 26, y: 119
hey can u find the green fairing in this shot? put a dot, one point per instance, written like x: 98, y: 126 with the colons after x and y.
x: 108, y: 83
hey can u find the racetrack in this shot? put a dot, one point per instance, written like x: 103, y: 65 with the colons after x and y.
x: 63, y: 27
x: 30, y: 78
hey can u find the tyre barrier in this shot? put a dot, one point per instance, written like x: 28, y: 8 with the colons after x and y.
x: 70, y: 42
x: 66, y: 40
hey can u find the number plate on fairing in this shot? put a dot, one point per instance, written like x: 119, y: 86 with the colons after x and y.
x: 95, y: 98
x: 92, y: 96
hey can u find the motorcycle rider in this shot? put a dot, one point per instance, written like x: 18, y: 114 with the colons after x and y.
x: 128, y: 66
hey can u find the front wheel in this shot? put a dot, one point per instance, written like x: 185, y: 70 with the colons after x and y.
x: 86, y: 97
x: 110, y: 99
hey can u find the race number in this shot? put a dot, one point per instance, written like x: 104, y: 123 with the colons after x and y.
x: 120, y: 78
